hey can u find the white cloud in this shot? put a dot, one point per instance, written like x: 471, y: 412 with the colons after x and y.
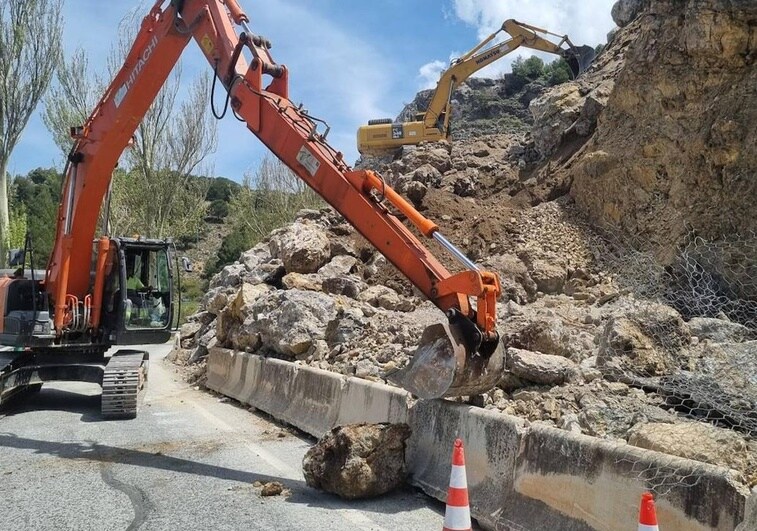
x: 585, y: 22
x: 430, y: 72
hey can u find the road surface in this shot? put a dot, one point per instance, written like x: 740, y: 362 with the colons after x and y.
x: 189, y: 461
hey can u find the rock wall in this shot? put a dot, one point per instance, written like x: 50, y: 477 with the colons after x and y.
x: 675, y: 149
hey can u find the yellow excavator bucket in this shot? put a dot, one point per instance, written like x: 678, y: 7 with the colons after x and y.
x: 579, y: 58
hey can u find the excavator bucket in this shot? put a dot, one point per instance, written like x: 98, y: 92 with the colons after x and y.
x: 579, y: 58
x: 449, y: 362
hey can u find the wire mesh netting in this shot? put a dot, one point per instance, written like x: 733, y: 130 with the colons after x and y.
x: 690, y: 341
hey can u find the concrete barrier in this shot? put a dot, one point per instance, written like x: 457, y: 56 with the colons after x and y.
x: 750, y: 517
x: 311, y: 399
x: 520, y: 475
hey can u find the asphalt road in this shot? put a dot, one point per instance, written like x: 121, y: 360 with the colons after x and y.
x: 189, y: 461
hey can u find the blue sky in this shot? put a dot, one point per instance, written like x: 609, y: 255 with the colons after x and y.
x: 349, y: 61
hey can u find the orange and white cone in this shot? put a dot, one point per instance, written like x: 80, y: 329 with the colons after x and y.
x: 648, y: 514
x: 457, y: 515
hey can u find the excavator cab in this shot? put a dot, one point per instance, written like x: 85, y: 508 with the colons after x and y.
x: 137, y: 304
x: 137, y: 307
x: 138, y: 300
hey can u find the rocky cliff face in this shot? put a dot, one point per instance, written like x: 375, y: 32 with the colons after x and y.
x: 675, y: 149
x: 484, y: 106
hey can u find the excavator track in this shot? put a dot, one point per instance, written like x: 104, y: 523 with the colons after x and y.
x: 124, y: 380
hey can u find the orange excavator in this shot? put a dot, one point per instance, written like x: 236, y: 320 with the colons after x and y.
x: 110, y: 291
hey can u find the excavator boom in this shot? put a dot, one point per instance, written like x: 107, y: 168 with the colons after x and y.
x: 467, y: 360
x: 383, y: 135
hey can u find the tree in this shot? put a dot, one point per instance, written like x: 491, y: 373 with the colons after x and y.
x: 268, y: 199
x: 30, y: 43
x: 557, y: 72
x: 531, y: 68
x: 159, y: 195
x: 221, y: 188
x: 71, y: 98
x: 34, y: 208
x: 218, y: 209
x: 153, y: 192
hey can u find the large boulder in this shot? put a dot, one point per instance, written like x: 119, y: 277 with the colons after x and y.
x: 236, y: 312
x: 436, y: 154
x: 698, y: 441
x: 549, y: 277
x: 286, y: 322
x: 416, y: 191
x: 339, y: 266
x: 540, y: 368
x: 551, y: 335
x: 188, y: 330
x: 720, y: 330
x: 624, y: 11
x: 517, y: 285
x: 216, y: 299
x: 255, y: 257
x: 731, y: 367
x: 348, y: 326
x: 307, y: 282
x: 553, y: 112
x: 349, y: 285
x: 428, y: 175
x: 645, y: 343
x: 229, y: 276
x: 387, y: 298
x: 302, y: 247
x: 358, y: 461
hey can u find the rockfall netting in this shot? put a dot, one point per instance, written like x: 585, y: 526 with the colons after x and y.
x: 700, y: 361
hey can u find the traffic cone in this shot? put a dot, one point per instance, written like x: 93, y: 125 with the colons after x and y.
x: 457, y: 514
x: 647, y: 513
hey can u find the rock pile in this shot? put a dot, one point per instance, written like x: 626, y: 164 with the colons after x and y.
x: 586, y: 350
x: 583, y: 354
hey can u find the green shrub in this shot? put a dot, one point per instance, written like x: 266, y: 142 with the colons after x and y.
x: 219, y: 209
x: 221, y: 189
x: 531, y: 68
x: 191, y: 289
x: 187, y: 309
x: 233, y: 245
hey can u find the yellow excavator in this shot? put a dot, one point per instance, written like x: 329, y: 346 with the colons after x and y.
x: 384, y: 135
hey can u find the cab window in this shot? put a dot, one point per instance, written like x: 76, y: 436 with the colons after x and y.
x: 148, y: 290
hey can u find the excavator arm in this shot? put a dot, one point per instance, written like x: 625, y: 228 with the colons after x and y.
x: 480, y: 57
x: 433, y: 123
x: 462, y: 357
